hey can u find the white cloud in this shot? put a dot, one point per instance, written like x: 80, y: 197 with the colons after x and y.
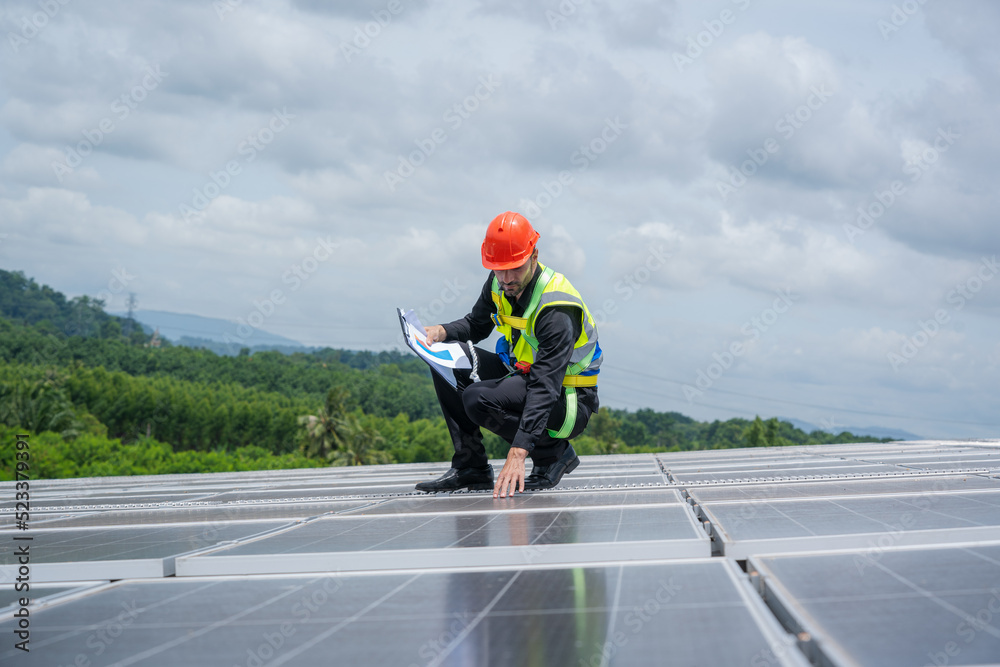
x: 66, y: 218
x: 656, y: 185
x: 30, y: 164
x: 782, y: 107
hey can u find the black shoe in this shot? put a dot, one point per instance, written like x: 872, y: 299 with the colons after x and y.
x: 474, y: 479
x: 545, y: 477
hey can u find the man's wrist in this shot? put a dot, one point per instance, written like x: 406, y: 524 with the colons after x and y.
x: 525, y: 446
x: 523, y: 441
x: 518, y: 452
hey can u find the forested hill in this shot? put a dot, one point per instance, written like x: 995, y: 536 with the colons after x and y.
x: 23, y: 301
x: 101, y: 399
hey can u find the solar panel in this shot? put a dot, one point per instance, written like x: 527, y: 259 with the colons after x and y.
x: 547, y: 577
x: 485, y: 502
x: 349, y: 543
x: 42, y: 503
x: 776, y: 463
x: 299, y: 495
x: 792, y: 525
x: 750, y: 454
x: 69, y: 554
x: 212, y: 514
x: 786, y: 473
x: 891, y: 607
x: 640, y: 462
x: 939, y: 456
x: 845, y: 487
x: 619, y: 614
x: 969, y: 464
x: 575, y: 482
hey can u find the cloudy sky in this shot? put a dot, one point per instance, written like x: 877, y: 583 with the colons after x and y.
x: 773, y: 207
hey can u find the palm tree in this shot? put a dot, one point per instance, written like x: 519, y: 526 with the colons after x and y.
x: 39, y: 406
x: 362, y: 447
x: 329, y: 429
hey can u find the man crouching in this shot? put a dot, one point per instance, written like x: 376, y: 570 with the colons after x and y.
x: 539, y: 389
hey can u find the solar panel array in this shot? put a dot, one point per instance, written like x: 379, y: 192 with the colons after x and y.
x: 880, y: 554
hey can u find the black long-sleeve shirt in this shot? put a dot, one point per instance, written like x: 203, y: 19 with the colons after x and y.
x: 557, y: 329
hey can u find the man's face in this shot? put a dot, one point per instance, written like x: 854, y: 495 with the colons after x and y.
x: 513, y: 281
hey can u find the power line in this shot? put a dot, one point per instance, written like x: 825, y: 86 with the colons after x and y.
x: 675, y: 398
x: 795, y: 403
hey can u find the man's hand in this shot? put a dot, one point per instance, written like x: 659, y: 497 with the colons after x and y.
x: 512, y: 475
x: 435, y: 334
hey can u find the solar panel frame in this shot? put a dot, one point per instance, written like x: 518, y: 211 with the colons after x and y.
x: 442, y: 550
x: 853, y: 487
x: 44, y: 594
x: 764, y: 475
x: 49, y: 563
x: 486, y: 503
x: 211, y: 514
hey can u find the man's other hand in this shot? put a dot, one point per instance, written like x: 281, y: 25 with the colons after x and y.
x: 435, y: 334
x: 511, y: 477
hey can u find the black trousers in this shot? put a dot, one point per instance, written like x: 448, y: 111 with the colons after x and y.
x: 495, y: 403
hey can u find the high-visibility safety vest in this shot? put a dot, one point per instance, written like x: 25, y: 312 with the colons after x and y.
x: 551, y: 289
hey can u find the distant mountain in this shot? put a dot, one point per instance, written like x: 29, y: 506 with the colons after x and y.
x: 874, y: 431
x: 198, y: 331
x: 880, y: 432
x: 233, y: 348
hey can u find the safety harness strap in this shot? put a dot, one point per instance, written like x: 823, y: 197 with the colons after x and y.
x: 513, y: 322
x: 581, y: 365
x: 580, y: 381
x: 570, y: 421
x: 521, y: 323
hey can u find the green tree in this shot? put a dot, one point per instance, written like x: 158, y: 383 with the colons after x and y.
x: 329, y: 429
x: 634, y: 433
x: 724, y: 435
x: 361, y: 447
x: 773, y: 440
x: 755, y: 435
x: 606, y: 447
x: 603, y: 426
x: 38, y: 406
x: 208, y: 407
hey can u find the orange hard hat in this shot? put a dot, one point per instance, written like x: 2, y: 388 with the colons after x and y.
x: 510, y: 238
